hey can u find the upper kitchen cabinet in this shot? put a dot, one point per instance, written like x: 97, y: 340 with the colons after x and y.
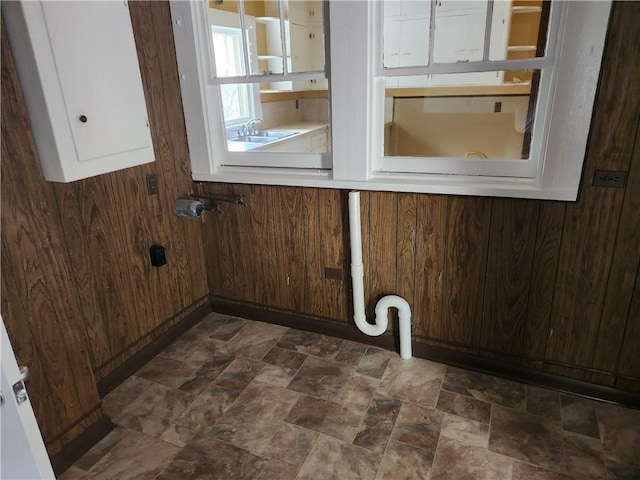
x: 304, y: 45
x: 458, y: 37
x: 79, y: 73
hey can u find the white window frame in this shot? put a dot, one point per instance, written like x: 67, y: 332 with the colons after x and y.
x: 561, y: 128
x: 252, y: 93
x: 206, y: 132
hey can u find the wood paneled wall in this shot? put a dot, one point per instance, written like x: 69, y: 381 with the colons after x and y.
x: 79, y: 296
x: 549, y: 285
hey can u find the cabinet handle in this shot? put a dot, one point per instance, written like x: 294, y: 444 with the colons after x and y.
x: 83, y: 118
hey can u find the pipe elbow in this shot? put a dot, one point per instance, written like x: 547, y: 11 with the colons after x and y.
x: 393, y: 301
x: 373, y: 330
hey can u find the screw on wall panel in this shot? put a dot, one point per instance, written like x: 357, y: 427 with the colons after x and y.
x: 609, y: 178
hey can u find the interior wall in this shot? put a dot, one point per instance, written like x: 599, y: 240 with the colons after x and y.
x: 551, y: 286
x: 79, y: 296
x: 454, y: 127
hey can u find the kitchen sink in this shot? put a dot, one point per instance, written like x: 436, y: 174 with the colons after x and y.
x: 253, y: 139
x: 265, y: 136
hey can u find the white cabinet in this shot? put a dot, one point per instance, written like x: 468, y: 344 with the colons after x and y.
x: 320, y: 141
x: 458, y: 37
x: 79, y: 72
x: 316, y: 141
x: 304, y: 37
x: 307, y: 12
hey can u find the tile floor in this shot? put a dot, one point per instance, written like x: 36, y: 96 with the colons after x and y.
x: 238, y: 399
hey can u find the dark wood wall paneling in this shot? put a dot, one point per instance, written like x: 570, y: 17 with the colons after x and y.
x: 551, y: 286
x: 79, y: 296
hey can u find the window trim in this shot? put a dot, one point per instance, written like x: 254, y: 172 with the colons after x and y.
x: 357, y: 99
x: 253, y: 93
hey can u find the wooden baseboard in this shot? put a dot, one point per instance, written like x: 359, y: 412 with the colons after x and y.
x: 124, y: 371
x: 437, y: 354
x: 73, y: 450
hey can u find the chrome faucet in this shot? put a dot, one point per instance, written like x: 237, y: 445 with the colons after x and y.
x: 249, y: 128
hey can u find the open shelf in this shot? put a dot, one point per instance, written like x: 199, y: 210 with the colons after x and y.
x: 526, y: 9
x: 522, y: 48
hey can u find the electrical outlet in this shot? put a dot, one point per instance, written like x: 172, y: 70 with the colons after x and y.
x: 609, y: 178
x: 333, y: 273
x: 152, y: 184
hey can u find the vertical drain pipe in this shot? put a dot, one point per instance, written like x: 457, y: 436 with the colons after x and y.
x: 385, y: 303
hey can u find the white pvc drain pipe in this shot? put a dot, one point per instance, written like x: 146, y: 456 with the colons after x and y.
x: 385, y: 303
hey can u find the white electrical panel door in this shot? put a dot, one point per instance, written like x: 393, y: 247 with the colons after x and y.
x: 94, y: 50
x: 79, y: 72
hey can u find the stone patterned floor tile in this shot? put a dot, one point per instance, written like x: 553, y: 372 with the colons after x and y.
x: 584, y: 457
x: 228, y: 330
x: 402, y: 461
x: 541, y: 401
x: 203, y: 412
x: 465, y: 431
x: 524, y: 471
x: 274, y: 375
x: 285, y: 358
x: 212, y: 322
x: 130, y: 458
x: 322, y: 378
x: 579, y: 416
x: 210, y: 459
x: 207, y: 373
x: 617, y: 471
x: 416, y: 380
x: 99, y: 450
x: 620, y: 430
x: 418, y: 426
x: 177, y: 435
x: 254, y: 340
x: 332, y: 459
x: 289, y: 443
x: 238, y: 374
x: 359, y: 391
x: 155, y: 409
x: 260, y: 401
x: 166, y: 371
x: 310, y: 343
x: 485, y: 387
x: 456, y: 461
x: 374, y: 363
x: 466, y: 407
x: 378, y: 423
x: 276, y: 439
x: 278, y: 470
x: 326, y: 417
x: 194, y: 348
x: 530, y: 438
x: 350, y: 352
x: 124, y: 395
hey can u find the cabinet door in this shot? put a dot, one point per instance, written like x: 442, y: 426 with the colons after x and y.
x: 316, y: 48
x: 415, y: 8
x: 299, y: 43
x: 459, y: 36
x: 320, y: 142
x: 97, y: 66
x: 414, y: 42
